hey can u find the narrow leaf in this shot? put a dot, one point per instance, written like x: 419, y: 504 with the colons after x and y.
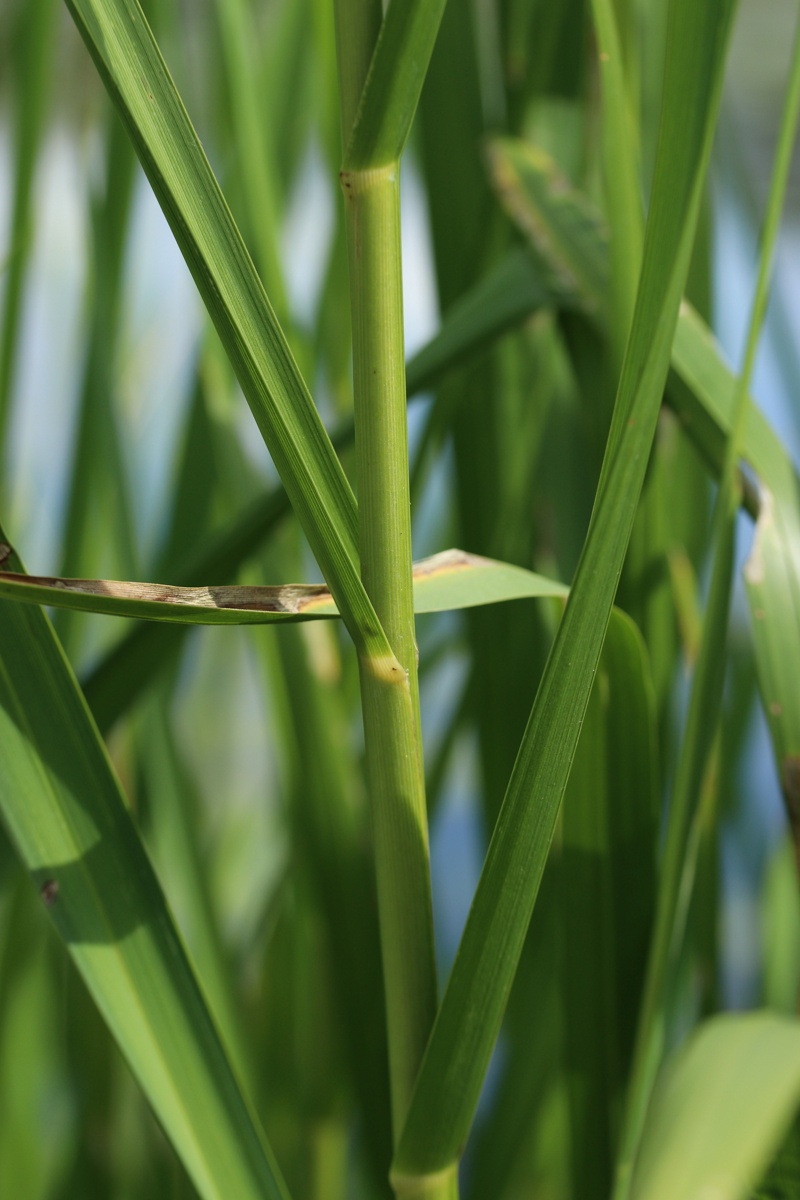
x: 772, y: 579
x: 454, y: 579
x: 563, y: 226
x: 607, y: 855
x: 135, y: 75
x: 449, y: 580
x: 67, y: 818
x: 214, y: 605
x: 620, y: 172
x: 705, y: 700
x: 710, y: 384
x: 566, y: 234
x: 510, y: 292
x: 720, y: 1110
x: 394, y: 82
x: 471, y: 1012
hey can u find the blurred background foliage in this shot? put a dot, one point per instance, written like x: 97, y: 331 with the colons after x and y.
x: 127, y: 446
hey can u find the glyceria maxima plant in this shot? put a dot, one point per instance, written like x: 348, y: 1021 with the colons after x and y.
x: 254, y: 958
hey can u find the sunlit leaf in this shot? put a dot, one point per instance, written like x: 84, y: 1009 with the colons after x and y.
x: 720, y: 1110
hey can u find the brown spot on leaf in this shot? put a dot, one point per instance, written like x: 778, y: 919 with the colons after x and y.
x: 790, y: 785
x: 790, y: 782
x: 49, y: 892
x: 447, y: 560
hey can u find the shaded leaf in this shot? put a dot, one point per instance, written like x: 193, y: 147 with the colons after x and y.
x: 69, y: 823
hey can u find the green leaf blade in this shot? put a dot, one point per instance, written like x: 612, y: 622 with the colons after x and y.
x: 446, y: 581
x: 772, y: 580
x: 607, y: 855
x: 564, y: 228
x: 471, y: 1012
x: 134, y: 72
x: 68, y: 820
x: 185, y: 606
x: 394, y: 82
x: 720, y: 1110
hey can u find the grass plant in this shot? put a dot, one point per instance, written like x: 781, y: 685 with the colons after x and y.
x: 225, y: 967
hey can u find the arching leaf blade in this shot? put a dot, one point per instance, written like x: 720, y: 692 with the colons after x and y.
x: 134, y: 73
x: 720, y: 1109
x: 470, y: 1015
x: 69, y: 823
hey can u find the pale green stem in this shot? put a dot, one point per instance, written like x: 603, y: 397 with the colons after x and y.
x: 373, y: 227
x: 390, y: 696
x: 706, y: 685
x: 441, y: 1186
x: 328, y: 1160
x: 389, y: 691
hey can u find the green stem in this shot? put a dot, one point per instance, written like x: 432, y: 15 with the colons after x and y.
x: 390, y: 696
x: 328, y: 1160
x: 389, y: 691
x: 373, y: 228
x: 441, y: 1186
x: 707, y: 684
